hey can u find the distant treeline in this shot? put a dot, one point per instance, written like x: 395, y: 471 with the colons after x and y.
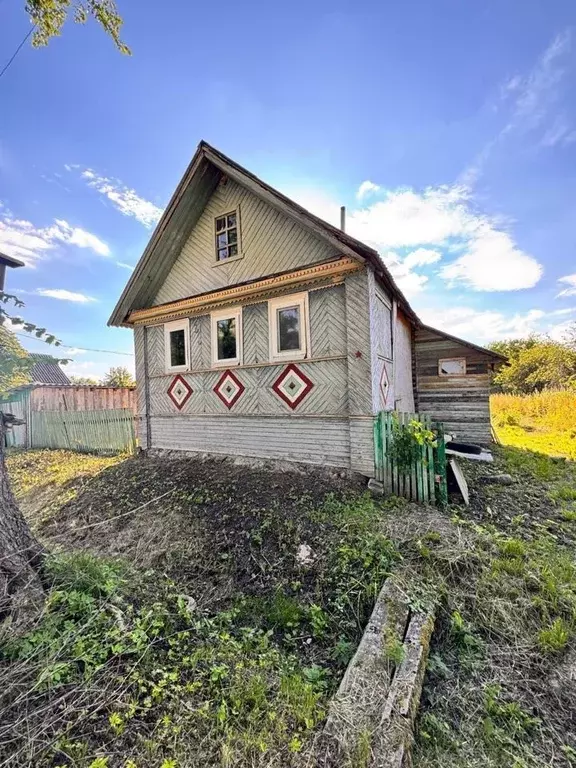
x: 535, y: 364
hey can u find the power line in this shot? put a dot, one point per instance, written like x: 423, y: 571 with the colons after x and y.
x: 17, y: 51
x: 84, y: 349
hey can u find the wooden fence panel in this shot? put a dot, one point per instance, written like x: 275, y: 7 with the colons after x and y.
x: 103, y: 431
x: 425, y: 480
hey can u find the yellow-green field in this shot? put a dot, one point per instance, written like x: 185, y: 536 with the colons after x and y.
x: 543, y: 422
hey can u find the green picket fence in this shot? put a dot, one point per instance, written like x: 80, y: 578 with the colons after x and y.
x: 425, y: 480
x: 105, y: 431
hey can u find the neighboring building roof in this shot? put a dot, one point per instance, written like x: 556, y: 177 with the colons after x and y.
x: 9, y: 261
x: 496, y: 355
x: 46, y: 370
x: 185, y: 208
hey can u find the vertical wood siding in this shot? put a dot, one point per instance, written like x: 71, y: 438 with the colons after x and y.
x: 403, y: 383
x: 270, y: 242
x: 81, y: 398
x: 381, y: 342
x: 461, y: 402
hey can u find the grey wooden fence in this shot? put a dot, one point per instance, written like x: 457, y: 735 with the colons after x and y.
x: 106, y: 431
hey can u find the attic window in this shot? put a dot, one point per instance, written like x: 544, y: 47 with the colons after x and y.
x: 227, y: 236
x: 453, y: 366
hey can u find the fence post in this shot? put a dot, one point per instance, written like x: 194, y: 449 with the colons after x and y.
x: 440, y: 467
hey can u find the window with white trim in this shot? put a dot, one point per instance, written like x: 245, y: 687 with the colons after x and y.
x: 177, y: 345
x: 288, y: 327
x: 227, y: 236
x: 452, y: 366
x: 227, y: 337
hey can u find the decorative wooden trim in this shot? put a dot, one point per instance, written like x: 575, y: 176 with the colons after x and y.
x: 277, y: 363
x: 335, y: 270
x: 277, y: 386
x: 239, y: 392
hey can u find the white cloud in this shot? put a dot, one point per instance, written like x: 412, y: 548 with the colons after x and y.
x: 493, y: 262
x: 126, y: 200
x: 410, y: 283
x: 75, y: 351
x: 484, y: 326
x: 570, y: 281
x: 421, y: 257
x: 365, y: 189
x: 24, y: 240
x: 444, y: 216
x: 558, y: 133
x: 124, y: 266
x: 407, y: 218
x: 63, y: 295
x: 423, y: 222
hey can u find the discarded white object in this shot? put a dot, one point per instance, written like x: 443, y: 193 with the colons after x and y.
x: 460, y: 481
x: 304, y: 555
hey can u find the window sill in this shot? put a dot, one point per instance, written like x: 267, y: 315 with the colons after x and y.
x: 182, y: 369
x: 217, y: 364
x: 228, y: 261
x: 288, y: 358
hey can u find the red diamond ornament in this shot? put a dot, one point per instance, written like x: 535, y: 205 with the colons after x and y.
x: 292, y: 386
x: 229, y: 388
x: 179, y: 391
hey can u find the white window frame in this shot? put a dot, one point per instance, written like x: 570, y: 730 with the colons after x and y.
x: 228, y: 212
x: 226, y: 314
x: 295, y: 299
x: 451, y: 359
x: 177, y: 325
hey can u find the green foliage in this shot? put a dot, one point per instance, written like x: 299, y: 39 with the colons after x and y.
x: 15, y: 362
x: 554, y: 638
x: 118, y: 377
x: 166, y: 674
x: 535, y: 364
x: 407, y: 442
x: 49, y: 17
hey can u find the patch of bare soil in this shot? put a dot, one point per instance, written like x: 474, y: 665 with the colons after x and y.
x: 214, y: 526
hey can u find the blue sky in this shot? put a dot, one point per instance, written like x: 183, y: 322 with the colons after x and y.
x: 448, y: 129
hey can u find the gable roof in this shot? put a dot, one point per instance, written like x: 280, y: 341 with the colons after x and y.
x: 46, y: 370
x: 185, y: 208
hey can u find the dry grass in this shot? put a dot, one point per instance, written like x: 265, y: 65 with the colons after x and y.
x: 543, y: 422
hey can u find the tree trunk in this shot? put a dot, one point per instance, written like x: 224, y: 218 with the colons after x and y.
x: 21, y: 555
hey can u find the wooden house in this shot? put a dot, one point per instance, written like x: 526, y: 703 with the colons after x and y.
x: 261, y: 330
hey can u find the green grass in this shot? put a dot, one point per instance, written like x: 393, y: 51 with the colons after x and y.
x: 118, y: 669
x: 544, y: 422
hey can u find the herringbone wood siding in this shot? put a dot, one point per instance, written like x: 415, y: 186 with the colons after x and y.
x: 270, y: 242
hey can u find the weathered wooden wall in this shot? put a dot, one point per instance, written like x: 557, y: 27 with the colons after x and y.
x: 81, y: 398
x: 271, y: 242
x: 403, y: 383
x: 461, y: 402
x: 333, y: 423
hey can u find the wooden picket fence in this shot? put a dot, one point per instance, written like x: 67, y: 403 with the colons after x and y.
x: 103, y: 431
x: 425, y: 481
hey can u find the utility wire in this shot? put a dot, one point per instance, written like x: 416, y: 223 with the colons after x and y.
x: 84, y: 349
x: 17, y: 51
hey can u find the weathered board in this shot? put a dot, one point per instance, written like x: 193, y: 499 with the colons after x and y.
x: 462, y: 403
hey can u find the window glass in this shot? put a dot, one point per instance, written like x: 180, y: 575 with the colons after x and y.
x: 226, y: 337
x: 177, y: 348
x: 226, y: 236
x: 455, y: 367
x: 288, y: 328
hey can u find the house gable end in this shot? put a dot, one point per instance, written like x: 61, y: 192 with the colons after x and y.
x: 270, y: 241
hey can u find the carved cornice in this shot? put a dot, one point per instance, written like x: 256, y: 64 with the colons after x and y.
x: 333, y: 272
